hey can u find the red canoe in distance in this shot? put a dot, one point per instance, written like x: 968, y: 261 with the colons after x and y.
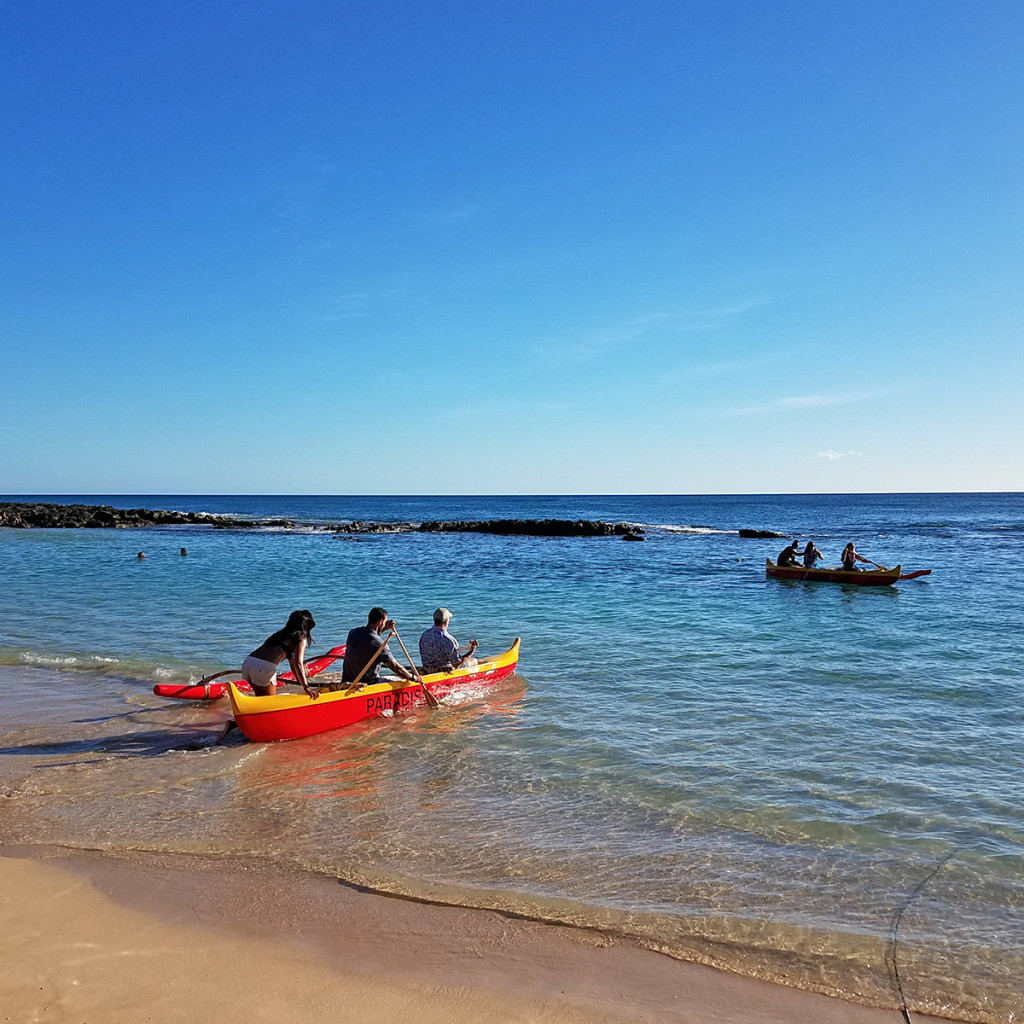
x: 213, y: 691
x: 863, y: 578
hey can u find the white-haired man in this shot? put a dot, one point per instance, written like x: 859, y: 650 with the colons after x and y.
x: 439, y: 650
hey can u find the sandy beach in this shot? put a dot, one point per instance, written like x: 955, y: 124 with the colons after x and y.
x: 102, y: 940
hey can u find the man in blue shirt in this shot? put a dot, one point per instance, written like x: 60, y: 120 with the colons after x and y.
x: 439, y: 650
x: 362, y: 644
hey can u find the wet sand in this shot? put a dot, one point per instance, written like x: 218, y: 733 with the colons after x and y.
x: 90, y: 938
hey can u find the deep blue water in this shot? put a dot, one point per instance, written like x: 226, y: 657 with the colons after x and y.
x: 748, y: 772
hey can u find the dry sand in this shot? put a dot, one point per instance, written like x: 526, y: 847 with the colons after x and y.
x: 97, y: 940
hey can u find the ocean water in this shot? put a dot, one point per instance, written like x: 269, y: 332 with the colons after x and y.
x: 815, y: 784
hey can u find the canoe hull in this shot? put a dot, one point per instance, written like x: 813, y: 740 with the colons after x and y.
x: 868, y: 578
x: 293, y: 716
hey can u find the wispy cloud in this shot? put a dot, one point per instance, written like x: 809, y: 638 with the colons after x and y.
x: 298, y: 192
x: 726, y: 367
x: 801, y: 403
x: 830, y: 454
x: 655, y: 324
x: 355, y: 305
x: 455, y: 214
x: 511, y: 407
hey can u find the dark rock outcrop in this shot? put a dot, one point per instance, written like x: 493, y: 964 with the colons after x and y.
x: 67, y: 517
x: 761, y: 533
x: 533, y: 527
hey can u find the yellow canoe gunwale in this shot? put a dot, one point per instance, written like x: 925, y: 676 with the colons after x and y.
x: 248, y: 704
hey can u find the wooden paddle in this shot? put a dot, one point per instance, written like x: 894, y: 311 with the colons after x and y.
x: 914, y: 575
x: 216, y: 675
x: 376, y: 654
x: 431, y: 699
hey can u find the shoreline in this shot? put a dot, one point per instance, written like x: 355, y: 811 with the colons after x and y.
x: 249, y: 943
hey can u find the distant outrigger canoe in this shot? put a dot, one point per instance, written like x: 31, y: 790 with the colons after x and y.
x: 290, y: 716
x: 866, y: 578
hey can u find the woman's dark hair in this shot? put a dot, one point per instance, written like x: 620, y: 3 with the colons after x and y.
x: 300, y: 624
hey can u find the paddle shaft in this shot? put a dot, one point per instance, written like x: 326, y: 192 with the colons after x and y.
x: 216, y: 675
x: 431, y: 699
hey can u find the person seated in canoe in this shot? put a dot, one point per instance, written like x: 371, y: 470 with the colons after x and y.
x: 812, y: 555
x: 850, y: 558
x: 260, y: 667
x: 361, y: 648
x: 788, y: 556
x: 439, y: 650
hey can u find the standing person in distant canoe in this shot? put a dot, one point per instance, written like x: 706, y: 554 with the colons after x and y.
x: 260, y: 668
x: 788, y: 556
x: 851, y: 558
x: 439, y: 650
x: 361, y: 648
x: 811, y: 555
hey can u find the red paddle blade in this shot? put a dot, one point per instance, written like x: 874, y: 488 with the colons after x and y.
x: 914, y: 575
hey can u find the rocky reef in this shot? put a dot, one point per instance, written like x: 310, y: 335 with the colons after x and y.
x: 534, y: 527
x: 65, y: 517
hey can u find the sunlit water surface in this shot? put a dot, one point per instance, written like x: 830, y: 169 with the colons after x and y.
x: 809, y: 783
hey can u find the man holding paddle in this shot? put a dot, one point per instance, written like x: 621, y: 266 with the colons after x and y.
x: 366, y: 650
x: 850, y: 558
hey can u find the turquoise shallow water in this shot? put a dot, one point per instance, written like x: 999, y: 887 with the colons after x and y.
x: 803, y: 782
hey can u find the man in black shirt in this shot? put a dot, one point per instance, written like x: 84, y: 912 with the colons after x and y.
x: 788, y: 556
x: 362, y: 644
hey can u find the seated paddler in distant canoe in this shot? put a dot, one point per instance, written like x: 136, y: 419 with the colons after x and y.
x: 788, y: 556
x: 812, y: 555
x: 850, y: 558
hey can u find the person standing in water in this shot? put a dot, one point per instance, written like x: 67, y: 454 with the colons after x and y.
x: 260, y: 667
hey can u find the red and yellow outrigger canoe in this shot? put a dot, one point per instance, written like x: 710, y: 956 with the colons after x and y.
x: 290, y: 716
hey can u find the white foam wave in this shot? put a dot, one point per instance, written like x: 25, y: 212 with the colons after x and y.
x: 676, y: 528
x: 100, y: 664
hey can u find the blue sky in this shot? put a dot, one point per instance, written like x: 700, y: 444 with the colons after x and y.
x: 528, y: 247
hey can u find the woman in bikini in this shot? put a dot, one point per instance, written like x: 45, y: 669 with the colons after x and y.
x: 260, y: 668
